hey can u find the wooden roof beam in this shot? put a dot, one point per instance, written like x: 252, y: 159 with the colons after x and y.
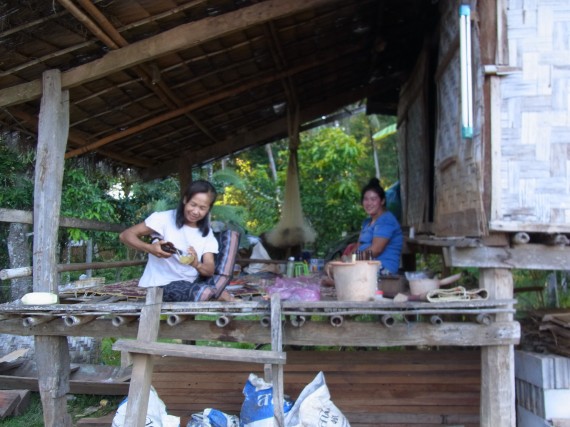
x: 281, y: 64
x: 201, y: 103
x: 262, y: 135
x: 168, y: 42
x: 110, y: 36
x: 75, y: 138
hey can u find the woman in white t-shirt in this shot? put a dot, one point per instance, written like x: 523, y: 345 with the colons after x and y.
x: 186, y: 230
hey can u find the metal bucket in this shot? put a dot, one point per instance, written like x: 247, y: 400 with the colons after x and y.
x: 354, y: 281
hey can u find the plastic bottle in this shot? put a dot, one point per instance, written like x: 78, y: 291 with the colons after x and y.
x: 379, y: 295
x: 290, y: 266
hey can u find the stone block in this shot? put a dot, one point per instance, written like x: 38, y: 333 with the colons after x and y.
x: 547, y: 371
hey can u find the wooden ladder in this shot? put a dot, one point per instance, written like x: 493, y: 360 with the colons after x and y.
x: 145, y: 347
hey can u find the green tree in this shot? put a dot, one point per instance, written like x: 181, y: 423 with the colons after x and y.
x: 258, y: 195
x: 331, y: 174
x: 333, y: 166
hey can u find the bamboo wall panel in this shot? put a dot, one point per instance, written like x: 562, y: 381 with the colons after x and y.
x: 458, y: 162
x: 534, y: 153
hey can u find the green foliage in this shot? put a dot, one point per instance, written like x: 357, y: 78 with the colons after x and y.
x: 228, y: 209
x: 140, y: 199
x: 108, y: 355
x: 334, y: 163
x: 259, y: 196
x: 16, y: 179
x: 86, y: 198
x: 330, y: 183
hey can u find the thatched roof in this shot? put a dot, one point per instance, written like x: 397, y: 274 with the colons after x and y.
x: 152, y: 82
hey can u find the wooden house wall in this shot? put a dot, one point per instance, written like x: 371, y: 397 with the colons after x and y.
x: 532, y: 153
x: 432, y: 150
x: 458, y: 162
x: 413, y: 140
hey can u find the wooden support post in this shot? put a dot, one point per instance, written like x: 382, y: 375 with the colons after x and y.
x: 52, y: 353
x: 52, y: 360
x: 497, y: 362
x: 277, y: 369
x: 53, y: 130
x: 184, y: 172
x: 139, y: 389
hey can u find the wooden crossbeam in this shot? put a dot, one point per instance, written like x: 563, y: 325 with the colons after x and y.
x: 201, y: 352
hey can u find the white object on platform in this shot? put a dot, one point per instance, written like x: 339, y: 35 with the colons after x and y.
x: 40, y: 298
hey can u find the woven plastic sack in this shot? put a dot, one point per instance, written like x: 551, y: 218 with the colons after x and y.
x: 315, y: 408
x: 257, y: 407
x: 156, y: 415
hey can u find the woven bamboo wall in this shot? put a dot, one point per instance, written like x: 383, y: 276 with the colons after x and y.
x: 531, y: 174
x: 458, y: 162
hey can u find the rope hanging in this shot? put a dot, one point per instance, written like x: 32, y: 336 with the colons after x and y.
x: 292, y: 229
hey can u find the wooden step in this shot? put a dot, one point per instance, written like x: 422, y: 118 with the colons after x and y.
x: 201, y: 352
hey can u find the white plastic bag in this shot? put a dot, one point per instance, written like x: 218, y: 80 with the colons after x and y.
x: 315, y: 408
x: 156, y: 415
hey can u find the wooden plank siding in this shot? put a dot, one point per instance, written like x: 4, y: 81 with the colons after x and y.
x: 371, y: 388
x: 458, y: 162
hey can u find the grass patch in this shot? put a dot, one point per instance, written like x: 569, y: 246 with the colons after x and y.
x: 108, y: 355
x: 33, y: 417
x: 78, y: 406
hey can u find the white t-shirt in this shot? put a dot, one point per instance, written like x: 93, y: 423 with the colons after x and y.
x: 162, y: 271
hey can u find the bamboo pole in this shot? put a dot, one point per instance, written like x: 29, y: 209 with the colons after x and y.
x: 14, y: 273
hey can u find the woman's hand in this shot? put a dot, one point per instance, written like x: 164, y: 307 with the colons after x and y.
x: 206, y: 266
x: 132, y: 237
x: 156, y: 249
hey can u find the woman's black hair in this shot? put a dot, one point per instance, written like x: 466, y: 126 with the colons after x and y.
x: 373, y: 185
x: 195, y: 187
